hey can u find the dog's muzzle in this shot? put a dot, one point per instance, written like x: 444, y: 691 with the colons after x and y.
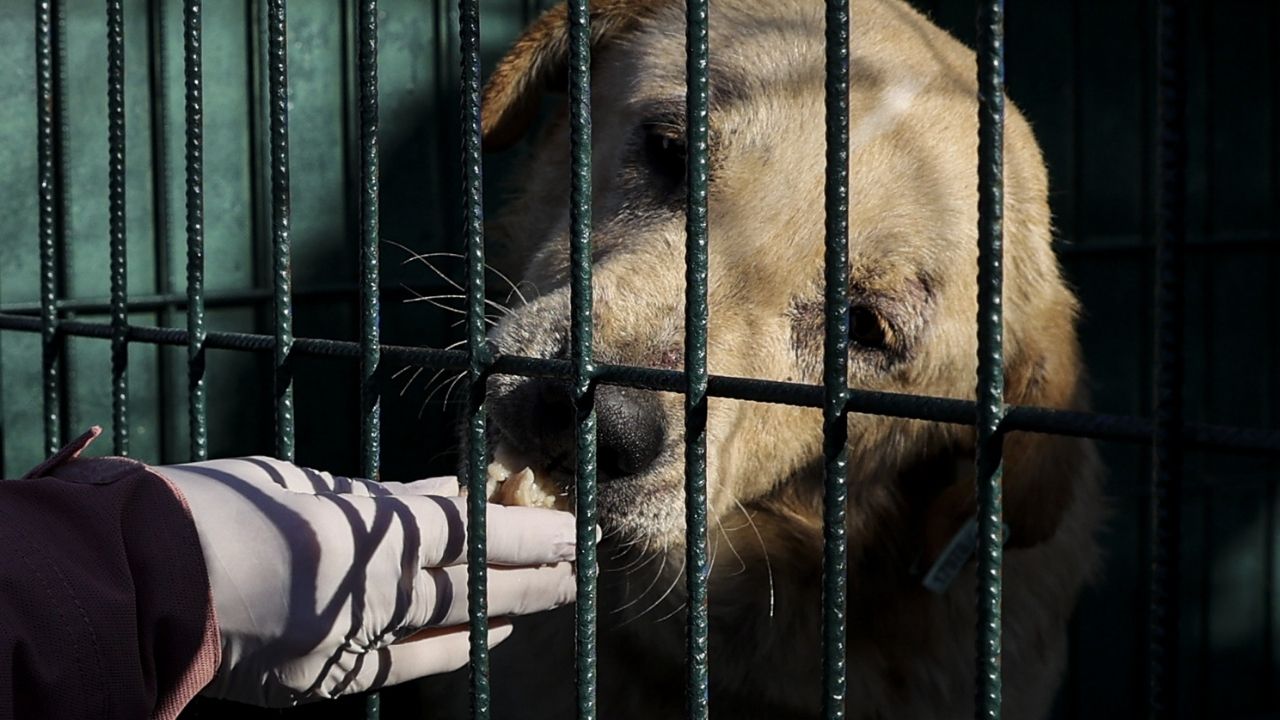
x: 537, y: 418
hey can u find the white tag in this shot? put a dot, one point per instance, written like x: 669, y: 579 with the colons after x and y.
x: 955, y: 556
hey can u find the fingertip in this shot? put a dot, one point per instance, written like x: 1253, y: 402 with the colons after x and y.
x: 530, y: 536
x: 499, y: 629
x: 445, y: 485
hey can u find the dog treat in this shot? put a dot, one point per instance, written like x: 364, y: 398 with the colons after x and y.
x: 523, y: 487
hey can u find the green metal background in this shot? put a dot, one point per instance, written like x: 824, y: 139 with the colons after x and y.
x: 1082, y: 71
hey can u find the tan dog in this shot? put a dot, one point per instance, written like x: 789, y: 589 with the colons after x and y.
x: 913, y: 290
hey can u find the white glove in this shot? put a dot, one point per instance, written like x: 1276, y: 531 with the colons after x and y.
x: 319, y: 581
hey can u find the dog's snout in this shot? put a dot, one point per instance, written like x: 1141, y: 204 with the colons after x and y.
x: 630, y: 427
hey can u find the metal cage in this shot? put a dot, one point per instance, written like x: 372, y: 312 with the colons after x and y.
x: 1165, y: 432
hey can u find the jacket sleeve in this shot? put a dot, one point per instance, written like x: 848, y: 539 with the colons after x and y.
x: 105, y: 610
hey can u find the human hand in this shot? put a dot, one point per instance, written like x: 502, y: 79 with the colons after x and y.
x: 324, y: 586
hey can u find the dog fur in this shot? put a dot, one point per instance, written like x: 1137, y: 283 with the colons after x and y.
x: 913, y: 266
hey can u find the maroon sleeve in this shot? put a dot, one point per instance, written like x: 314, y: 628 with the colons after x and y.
x: 105, y: 609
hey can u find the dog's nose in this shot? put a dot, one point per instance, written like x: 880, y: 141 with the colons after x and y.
x: 630, y: 427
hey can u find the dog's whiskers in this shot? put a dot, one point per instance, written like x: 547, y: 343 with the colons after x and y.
x: 432, y: 390
x: 683, y: 604
x: 453, y: 379
x: 452, y: 385
x: 487, y: 318
x: 433, y: 299
x: 742, y: 564
x: 670, y: 588
x: 424, y: 258
x: 763, y: 551
x: 641, y: 556
x: 412, y: 377
x: 515, y: 288
x: 644, y: 592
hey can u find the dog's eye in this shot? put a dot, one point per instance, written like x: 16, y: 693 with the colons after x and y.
x: 664, y: 151
x: 866, y: 329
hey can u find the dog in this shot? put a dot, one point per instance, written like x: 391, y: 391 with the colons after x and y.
x: 912, y: 287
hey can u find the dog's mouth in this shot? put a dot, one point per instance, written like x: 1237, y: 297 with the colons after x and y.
x: 532, y: 438
x: 633, y: 506
x: 517, y: 479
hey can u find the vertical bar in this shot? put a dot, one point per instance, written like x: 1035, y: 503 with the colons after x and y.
x: 990, y: 405
x: 478, y: 355
x: 282, y: 274
x: 48, y: 160
x: 697, y: 568
x: 116, y: 222
x: 1273, y: 278
x: 581, y: 336
x: 258, y: 129
x: 1166, y: 479
x: 370, y: 308
x: 161, y: 204
x: 835, y: 428
x: 193, y: 70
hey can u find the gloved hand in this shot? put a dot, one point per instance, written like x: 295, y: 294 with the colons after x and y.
x: 320, y: 581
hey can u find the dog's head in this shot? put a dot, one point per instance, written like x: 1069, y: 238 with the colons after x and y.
x: 912, y: 281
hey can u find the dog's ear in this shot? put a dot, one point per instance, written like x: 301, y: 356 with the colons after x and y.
x: 538, y: 62
x: 1041, y: 471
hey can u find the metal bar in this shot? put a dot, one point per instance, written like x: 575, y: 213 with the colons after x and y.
x: 1017, y: 418
x: 228, y: 298
x: 161, y: 202
x: 835, y: 426
x: 370, y: 308
x: 990, y: 392
x: 193, y: 71
x: 116, y: 223
x: 1167, y: 449
x: 282, y: 273
x: 697, y: 568
x: 258, y: 128
x: 477, y: 355
x: 352, y: 195
x: 48, y: 160
x: 580, y: 346
x: 1271, y: 529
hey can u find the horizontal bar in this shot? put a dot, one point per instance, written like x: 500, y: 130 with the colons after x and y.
x: 1213, y: 242
x: 1017, y: 418
x: 228, y: 298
